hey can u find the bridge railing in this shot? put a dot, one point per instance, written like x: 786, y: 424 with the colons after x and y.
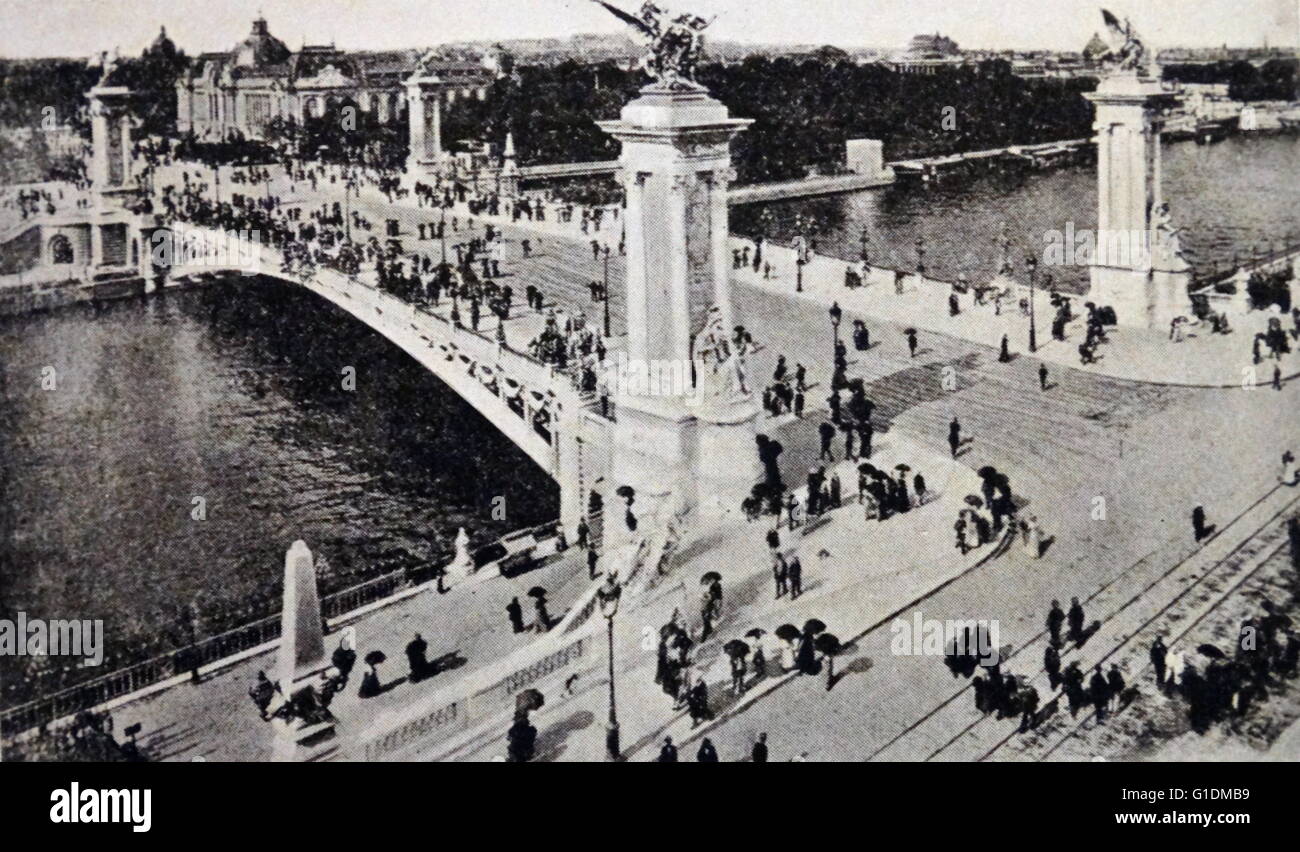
x: 141, y: 675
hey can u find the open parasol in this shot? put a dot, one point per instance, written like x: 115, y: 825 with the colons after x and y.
x: 735, y: 648
x: 788, y: 633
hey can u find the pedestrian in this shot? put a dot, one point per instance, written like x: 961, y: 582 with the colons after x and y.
x: 794, y: 572
x: 773, y: 539
x: 827, y: 430
x: 1158, y: 654
x: 1004, y: 356
x: 262, y: 691
x: 911, y: 341
x: 954, y: 436
x: 1042, y: 377
x: 1075, y: 619
x: 1200, y: 530
x: 1052, y: 664
x: 707, y: 753
x: 592, y: 559
x: 1277, y: 377
x: 738, y: 672
x: 758, y: 754
x: 780, y: 575
x: 1099, y: 692
x: 584, y: 532
x: 1055, y: 618
x: 1029, y: 706
x: 415, y: 657
x: 542, y: 623
x: 667, y: 754
x: 1115, y: 685
x: 918, y: 483
x: 697, y: 701
x: 516, y: 613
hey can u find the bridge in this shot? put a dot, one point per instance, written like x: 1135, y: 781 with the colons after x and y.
x: 536, y: 406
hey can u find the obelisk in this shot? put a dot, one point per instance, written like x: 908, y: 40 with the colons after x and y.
x: 302, y: 644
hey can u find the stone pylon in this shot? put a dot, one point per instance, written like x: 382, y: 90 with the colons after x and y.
x: 679, y: 430
x: 1136, y: 267
x: 302, y: 643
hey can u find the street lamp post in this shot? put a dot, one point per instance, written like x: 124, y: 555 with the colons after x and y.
x: 1031, y: 263
x: 607, y: 596
x: 604, y: 293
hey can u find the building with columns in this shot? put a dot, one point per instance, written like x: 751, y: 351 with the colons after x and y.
x: 260, y: 79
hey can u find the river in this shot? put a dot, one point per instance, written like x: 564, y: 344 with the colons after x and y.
x: 232, y: 395
x: 1229, y: 197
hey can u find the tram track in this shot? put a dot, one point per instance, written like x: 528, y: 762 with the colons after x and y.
x: 1192, y: 570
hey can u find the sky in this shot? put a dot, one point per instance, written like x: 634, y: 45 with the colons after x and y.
x: 81, y: 27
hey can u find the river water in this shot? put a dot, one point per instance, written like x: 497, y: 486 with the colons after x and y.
x: 232, y: 393
x: 1228, y: 198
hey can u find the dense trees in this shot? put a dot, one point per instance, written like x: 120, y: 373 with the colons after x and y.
x: 803, y: 111
x: 1275, y: 80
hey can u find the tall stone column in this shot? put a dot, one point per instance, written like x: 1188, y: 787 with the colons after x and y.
x: 682, y: 427
x: 112, y: 184
x: 1136, y: 268
x: 424, y: 119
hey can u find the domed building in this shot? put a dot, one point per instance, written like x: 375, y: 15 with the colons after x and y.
x: 162, y: 46
x: 260, y: 49
x: 260, y: 79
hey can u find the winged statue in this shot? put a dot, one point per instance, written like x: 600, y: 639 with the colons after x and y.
x: 108, y: 61
x: 1125, y: 50
x: 675, y: 41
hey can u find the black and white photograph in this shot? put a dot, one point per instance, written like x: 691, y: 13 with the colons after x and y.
x: 602, y: 381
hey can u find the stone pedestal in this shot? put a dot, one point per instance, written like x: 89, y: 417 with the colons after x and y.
x: 302, y: 642
x: 1134, y: 269
x: 670, y: 435
x: 426, y: 160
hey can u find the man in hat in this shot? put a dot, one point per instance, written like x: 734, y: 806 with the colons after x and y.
x: 758, y: 754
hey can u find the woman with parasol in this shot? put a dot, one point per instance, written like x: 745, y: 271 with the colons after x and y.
x: 806, y: 658
x: 736, y: 651
x: 788, y: 634
x: 542, y: 622
x: 370, y: 685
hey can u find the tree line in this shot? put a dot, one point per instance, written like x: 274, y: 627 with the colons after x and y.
x: 803, y: 109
